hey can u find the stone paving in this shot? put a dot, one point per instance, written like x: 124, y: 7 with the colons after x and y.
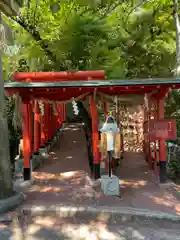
x: 64, y: 180
x: 48, y: 227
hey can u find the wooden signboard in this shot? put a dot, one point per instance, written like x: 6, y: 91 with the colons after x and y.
x: 161, y: 129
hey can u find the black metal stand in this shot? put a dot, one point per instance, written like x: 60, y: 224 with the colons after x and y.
x: 109, y: 162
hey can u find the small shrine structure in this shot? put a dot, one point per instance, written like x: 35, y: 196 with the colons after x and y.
x: 47, y: 93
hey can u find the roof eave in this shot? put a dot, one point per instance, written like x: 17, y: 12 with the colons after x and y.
x: 175, y: 83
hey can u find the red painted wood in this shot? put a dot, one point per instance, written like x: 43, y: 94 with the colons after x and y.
x: 162, y: 145
x: 59, y: 107
x: 60, y: 95
x: 64, y: 112
x: 46, y: 114
x: 149, y: 140
x: 30, y: 125
x: 43, y: 138
x: 155, y: 150
x: 95, y: 133
x: 36, y: 127
x: 50, y: 123
x: 162, y: 129
x: 26, y: 137
x: 122, y: 120
x: 58, y: 76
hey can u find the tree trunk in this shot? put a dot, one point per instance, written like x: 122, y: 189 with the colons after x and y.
x: 6, y: 185
x: 176, y: 18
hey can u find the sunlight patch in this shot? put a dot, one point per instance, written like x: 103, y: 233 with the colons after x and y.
x: 32, y: 229
x: 139, y: 183
x: 68, y: 174
x: 45, y: 221
x: 69, y: 157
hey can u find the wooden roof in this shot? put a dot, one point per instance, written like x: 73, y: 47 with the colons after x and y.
x: 64, y: 90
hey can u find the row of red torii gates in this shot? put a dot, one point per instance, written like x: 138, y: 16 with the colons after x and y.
x: 66, y: 86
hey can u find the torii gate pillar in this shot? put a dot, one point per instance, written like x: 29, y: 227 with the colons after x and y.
x: 95, y: 138
x: 26, y: 139
x: 162, y: 146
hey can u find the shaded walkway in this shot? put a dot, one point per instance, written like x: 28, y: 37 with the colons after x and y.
x: 64, y: 179
x: 62, y: 176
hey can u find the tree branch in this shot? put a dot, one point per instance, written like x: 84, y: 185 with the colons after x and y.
x: 36, y: 35
x: 177, y: 22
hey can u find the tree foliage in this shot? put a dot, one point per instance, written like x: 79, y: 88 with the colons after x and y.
x: 126, y: 39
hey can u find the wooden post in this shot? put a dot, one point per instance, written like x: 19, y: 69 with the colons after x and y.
x: 59, y: 115
x: 162, y: 146
x: 64, y: 112
x: 43, y: 137
x: 30, y: 125
x: 95, y: 137
x: 128, y: 130
x: 46, y: 114
x: 155, y: 149
x: 26, y: 140
x: 54, y: 124
x: 117, y: 111
x: 122, y: 133
x: 149, y: 142
x: 49, y: 123
x: 36, y: 127
x: 145, y: 134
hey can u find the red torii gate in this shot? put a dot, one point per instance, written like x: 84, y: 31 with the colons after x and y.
x: 45, y: 126
x: 62, y: 86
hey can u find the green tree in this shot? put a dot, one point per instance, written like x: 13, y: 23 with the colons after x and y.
x: 116, y: 36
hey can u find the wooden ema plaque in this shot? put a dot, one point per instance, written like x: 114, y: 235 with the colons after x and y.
x: 161, y: 129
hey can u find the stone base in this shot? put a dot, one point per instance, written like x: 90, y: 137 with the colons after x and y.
x: 20, y: 185
x: 103, y: 171
x: 167, y: 184
x: 110, y: 185
x: 44, y: 152
x: 27, y: 174
x: 102, y: 168
x: 97, y: 171
x: 36, y: 160
x: 19, y: 165
x: 48, y: 146
x: 163, y: 171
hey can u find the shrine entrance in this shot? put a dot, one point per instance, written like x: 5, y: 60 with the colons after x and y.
x: 137, y: 106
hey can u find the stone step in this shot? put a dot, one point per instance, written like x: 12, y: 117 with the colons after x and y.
x: 113, y: 214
